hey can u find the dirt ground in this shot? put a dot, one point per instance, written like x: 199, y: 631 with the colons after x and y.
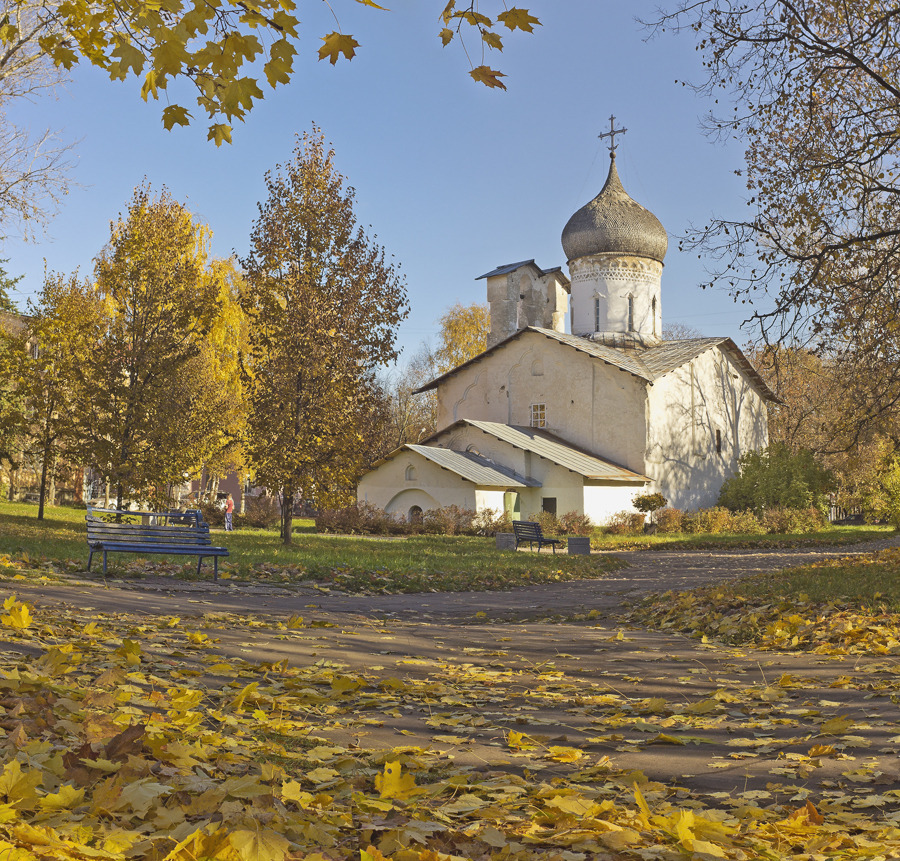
x: 717, y: 720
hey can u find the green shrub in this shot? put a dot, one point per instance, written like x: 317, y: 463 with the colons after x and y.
x: 212, y: 514
x: 362, y: 518
x: 573, y: 523
x: 777, y: 478
x: 451, y: 520
x: 547, y: 520
x: 883, y: 500
x: 625, y: 523
x: 793, y: 520
x: 669, y: 520
x: 647, y: 503
x: 745, y: 523
x: 489, y: 522
x: 711, y: 520
x: 260, y: 512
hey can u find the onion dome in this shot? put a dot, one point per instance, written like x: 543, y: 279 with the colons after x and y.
x: 613, y: 222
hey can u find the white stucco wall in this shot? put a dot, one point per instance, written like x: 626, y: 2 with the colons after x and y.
x: 432, y: 487
x: 589, y: 404
x: 604, y: 499
x: 613, y: 278
x: 688, y: 405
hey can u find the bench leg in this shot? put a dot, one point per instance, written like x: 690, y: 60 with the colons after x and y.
x: 199, y: 563
x: 90, y: 559
x: 215, y: 567
x: 104, y: 563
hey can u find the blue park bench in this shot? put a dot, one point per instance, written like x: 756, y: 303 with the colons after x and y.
x: 148, y: 532
x: 528, y: 530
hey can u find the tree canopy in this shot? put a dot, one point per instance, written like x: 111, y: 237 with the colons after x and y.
x: 221, y: 48
x: 323, y: 306
x: 814, y: 91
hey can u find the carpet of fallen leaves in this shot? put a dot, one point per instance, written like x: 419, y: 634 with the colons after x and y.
x: 729, y: 614
x: 127, y: 738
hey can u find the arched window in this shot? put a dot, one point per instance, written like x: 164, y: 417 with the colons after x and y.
x: 631, y: 313
x: 410, y: 473
x: 654, y: 314
x: 415, y: 514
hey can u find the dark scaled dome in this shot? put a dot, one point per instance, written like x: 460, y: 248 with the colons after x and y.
x: 612, y: 221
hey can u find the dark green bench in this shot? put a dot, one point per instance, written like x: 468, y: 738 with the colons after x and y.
x: 528, y: 530
x: 148, y: 532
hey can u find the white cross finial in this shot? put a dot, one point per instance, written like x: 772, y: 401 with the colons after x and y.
x: 611, y: 134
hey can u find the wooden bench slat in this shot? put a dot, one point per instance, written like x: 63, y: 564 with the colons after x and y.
x: 188, y: 538
x: 528, y: 530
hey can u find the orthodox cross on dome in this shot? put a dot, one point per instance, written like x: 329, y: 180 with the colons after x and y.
x: 611, y: 134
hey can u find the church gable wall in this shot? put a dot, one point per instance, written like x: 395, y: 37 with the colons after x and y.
x: 556, y: 482
x: 704, y: 416
x: 410, y: 479
x: 586, y: 402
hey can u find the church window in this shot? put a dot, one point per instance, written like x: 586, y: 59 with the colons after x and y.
x: 631, y: 313
x: 537, y: 368
x: 539, y: 415
x: 596, y: 313
x: 654, y: 315
x: 548, y: 504
x: 415, y: 514
x: 718, y: 441
x: 410, y: 473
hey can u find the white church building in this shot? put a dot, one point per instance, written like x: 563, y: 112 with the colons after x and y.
x: 545, y: 420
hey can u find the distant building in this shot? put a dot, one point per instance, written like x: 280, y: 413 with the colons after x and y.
x: 549, y: 421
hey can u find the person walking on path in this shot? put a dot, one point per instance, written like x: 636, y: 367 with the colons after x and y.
x: 229, y: 513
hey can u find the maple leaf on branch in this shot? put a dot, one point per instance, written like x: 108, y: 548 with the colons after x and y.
x: 489, y: 77
x: 335, y: 44
x: 175, y: 115
x: 518, y: 19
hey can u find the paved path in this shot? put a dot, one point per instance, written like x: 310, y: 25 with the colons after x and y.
x: 647, y: 572
x: 607, y: 691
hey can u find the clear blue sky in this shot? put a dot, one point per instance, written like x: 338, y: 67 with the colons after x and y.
x: 454, y: 178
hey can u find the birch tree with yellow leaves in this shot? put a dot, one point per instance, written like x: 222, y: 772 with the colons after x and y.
x: 161, y: 297
x: 323, y: 306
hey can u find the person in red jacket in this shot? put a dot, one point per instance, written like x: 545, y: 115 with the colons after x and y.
x: 229, y: 512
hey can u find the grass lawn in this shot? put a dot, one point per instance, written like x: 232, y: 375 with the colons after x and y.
x: 836, y: 606
x: 357, y: 564
x: 834, y: 535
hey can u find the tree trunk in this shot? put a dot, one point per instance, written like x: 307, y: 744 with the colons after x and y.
x: 40, y: 515
x: 106, y: 495
x: 120, y: 493
x: 51, y: 494
x: 287, y: 513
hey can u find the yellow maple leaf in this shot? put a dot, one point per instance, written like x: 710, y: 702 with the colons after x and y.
x: 67, y: 798
x: 446, y: 36
x: 260, y: 845
x: 336, y: 44
x: 220, y: 133
x: 373, y: 4
x: 18, y: 614
x: 492, y: 40
x: 561, y: 753
x: 488, y: 77
x: 518, y: 19
x: 175, y: 115
x: 393, y: 783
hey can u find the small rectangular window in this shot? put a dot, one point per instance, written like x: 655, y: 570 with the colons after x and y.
x: 548, y: 504
x: 539, y: 415
x: 718, y: 441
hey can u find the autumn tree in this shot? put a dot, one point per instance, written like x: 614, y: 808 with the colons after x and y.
x: 463, y: 334
x: 323, y: 306
x: 34, y: 165
x: 161, y: 298
x: 815, y: 90
x: 63, y: 326
x: 7, y: 283
x: 219, y: 48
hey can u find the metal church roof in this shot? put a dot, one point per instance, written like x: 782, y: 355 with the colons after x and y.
x: 551, y: 448
x: 467, y: 465
x: 647, y: 363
